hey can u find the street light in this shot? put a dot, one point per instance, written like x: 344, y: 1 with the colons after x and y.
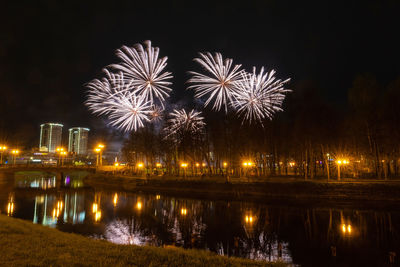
x: 184, y: 166
x: 14, y: 152
x: 341, y: 162
x: 246, y: 165
x: 2, y: 149
x: 99, y: 149
x: 61, y: 154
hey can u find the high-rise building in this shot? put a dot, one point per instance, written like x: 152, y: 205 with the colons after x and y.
x: 78, y: 139
x: 50, y: 136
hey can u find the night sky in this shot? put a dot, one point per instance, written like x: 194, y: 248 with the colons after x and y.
x: 49, y: 50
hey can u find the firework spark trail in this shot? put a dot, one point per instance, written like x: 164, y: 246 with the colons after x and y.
x: 219, y: 83
x: 111, y: 96
x: 182, y: 122
x: 143, y: 71
x: 259, y: 95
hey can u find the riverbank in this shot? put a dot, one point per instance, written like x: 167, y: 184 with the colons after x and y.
x: 279, y: 190
x: 27, y: 244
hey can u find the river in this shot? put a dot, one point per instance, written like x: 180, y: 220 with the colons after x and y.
x: 300, y: 235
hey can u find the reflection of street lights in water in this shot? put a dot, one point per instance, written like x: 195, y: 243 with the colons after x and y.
x: 249, y: 219
x: 346, y: 229
x: 183, y: 211
x: 96, y: 212
x: 115, y: 199
x: 139, y: 205
x: 10, y: 208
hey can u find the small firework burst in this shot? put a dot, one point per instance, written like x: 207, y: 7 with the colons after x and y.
x: 182, y: 122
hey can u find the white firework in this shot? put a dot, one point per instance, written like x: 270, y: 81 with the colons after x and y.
x: 131, y: 113
x: 219, y: 84
x: 182, y: 122
x: 144, y: 71
x: 111, y: 96
x: 259, y: 95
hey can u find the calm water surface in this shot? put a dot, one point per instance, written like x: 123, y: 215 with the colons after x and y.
x: 298, y: 235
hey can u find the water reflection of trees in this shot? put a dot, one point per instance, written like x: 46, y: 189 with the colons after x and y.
x: 304, y: 236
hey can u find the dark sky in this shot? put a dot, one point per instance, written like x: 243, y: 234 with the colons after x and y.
x: 49, y: 50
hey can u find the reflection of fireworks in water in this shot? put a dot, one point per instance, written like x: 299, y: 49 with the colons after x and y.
x: 125, y: 232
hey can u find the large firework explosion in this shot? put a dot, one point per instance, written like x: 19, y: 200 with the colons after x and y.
x: 259, y: 96
x: 143, y: 71
x: 136, y: 93
x: 219, y: 84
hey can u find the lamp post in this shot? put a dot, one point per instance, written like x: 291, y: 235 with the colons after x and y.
x: 14, y: 152
x: 97, y: 150
x: 61, y: 152
x: 246, y: 165
x: 2, y: 149
x: 101, y: 147
x: 226, y: 171
x: 341, y: 162
x: 184, y: 166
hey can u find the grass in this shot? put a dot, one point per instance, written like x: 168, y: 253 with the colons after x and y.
x: 25, y: 244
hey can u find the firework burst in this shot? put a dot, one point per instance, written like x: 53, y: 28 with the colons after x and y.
x: 219, y: 84
x: 144, y: 71
x: 156, y: 113
x: 259, y: 95
x: 111, y: 96
x: 182, y: 122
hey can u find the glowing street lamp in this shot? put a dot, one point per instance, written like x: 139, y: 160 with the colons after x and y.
x: 97, y: 150
x: 2, y: 149
x: 246, y: 165
x: 184, y: 166
x: 15, y: 152
x: 100, y: 147
x: 339, y: 163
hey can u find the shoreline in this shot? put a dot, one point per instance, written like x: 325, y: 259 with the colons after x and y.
x: 280, y: 191
x: 26, y: 244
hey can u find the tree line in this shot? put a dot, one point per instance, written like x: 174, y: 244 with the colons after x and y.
x: 307, y: 139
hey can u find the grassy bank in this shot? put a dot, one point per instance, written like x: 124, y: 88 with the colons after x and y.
x: 272, y: 190
x: 25, y: 244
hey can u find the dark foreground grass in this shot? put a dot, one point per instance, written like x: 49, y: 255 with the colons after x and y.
x: 25, y: 244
